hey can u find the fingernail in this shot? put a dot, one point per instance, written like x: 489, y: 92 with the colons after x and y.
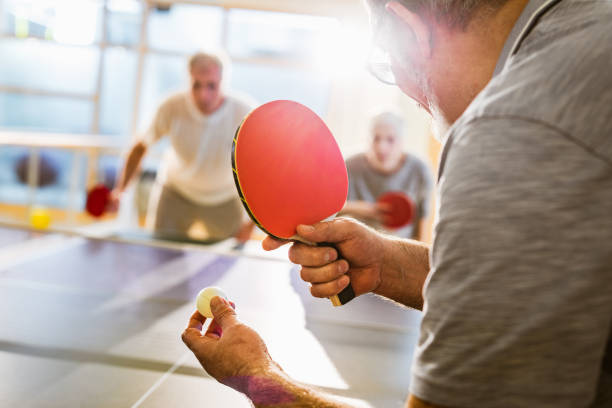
x: 343, y: 281
x: 342, y: 267
x: 216, y: 301
x: 307, y: 228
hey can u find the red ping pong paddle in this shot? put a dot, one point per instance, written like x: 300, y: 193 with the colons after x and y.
x: 97, y: 200
x: 288, y: 170
x: 401, y: 209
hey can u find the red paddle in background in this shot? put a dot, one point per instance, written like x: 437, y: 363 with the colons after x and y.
x: 97, y: 200
x: 401, y: 209
x: 288, y: 171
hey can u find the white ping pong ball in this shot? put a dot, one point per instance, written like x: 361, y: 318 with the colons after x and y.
x: 204, y: 298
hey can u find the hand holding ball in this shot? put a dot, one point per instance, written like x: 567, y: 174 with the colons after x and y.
x: 204, y: 298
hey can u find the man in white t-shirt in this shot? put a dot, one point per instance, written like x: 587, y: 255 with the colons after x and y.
x: 194, y: 194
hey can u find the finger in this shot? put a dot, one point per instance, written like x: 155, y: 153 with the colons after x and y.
x: 383, y: 207
x: 191, y: 337
x: 196, y: 321
x: 223, y: 312
x: 269, y: 243
x: 325, y: 273
x: 328, y: 289
x: 214, y: 330
x: 327, y: 231
x: 307, y: 255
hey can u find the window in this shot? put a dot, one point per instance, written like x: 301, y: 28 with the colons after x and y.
x: 310, y: 88
x: 45, y: 113
x: 184, y: 28
x: 255, y: 34
x: 81, y: 66
x: 117, y: 93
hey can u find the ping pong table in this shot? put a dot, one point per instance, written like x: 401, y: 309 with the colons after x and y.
x: 94, y: 322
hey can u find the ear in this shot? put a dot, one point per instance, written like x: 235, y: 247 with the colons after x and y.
x: 417, y: 24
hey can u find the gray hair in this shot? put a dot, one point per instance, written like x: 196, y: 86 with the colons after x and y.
x: 456, y: 13
x: 388, y: 118
x: 204, y: 59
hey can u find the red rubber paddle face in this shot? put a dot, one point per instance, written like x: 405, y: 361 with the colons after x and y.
x: 288, y: 168
x: 97, y: 200
x: 401, y: 209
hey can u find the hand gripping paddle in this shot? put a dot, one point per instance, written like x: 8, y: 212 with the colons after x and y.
x: 97, y: 200
x: 288, y: 171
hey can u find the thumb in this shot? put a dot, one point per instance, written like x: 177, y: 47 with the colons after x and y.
x: 383, y: 207
x: 223, y: 312
x: 326, y: 231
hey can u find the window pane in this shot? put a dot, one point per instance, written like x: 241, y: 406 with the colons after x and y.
x: 65, y: 21
x: 46, y: 66
x: 117, y: 97
x: 162, y: 76
x: 268, y: 34
x: 45, y: 113
x: 54, y: 173
x: 11, y: 189
x: 107, y: 169
x: 185, y: 28
x: 266, y: 83
x: 124, y: 17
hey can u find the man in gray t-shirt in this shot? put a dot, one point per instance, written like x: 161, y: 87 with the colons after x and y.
x: 516, y: 291
x: 384, y: 168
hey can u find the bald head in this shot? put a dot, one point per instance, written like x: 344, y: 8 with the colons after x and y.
x: 386, y: 138
x: 202, y: 60
x: 206, y: 72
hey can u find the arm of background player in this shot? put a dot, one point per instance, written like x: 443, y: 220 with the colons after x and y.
x: 132, y: 163
x: 159, y: 127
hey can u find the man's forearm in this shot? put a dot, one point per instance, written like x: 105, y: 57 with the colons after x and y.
x: 405, y: 268
x: 278, y: 390
x: 132, y: 162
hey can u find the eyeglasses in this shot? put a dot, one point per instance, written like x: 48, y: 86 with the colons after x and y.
x: 379, y: 61
x: 379, y: 65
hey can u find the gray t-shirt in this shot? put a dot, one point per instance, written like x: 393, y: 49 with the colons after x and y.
x: 413, y: 178
x: 518, y: 303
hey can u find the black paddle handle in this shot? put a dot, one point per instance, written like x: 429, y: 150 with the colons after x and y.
x: 343, y: 297
x: 347, y: 294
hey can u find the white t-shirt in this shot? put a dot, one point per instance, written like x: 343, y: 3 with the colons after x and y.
x: 198, y: 163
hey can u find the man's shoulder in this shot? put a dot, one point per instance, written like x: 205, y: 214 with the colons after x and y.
x: 241, y: 100
x: 555, y: 81
x: 174, y: 100
x: 416, y: 164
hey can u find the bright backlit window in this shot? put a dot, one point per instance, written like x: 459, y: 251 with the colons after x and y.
x: 102, y: 67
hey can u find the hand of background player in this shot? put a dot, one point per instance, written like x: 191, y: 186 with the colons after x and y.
x: 360, y: 247
x: 114, y: 200
x: 366, y: 211
x: 244, y: 232
x: 229, y: 351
